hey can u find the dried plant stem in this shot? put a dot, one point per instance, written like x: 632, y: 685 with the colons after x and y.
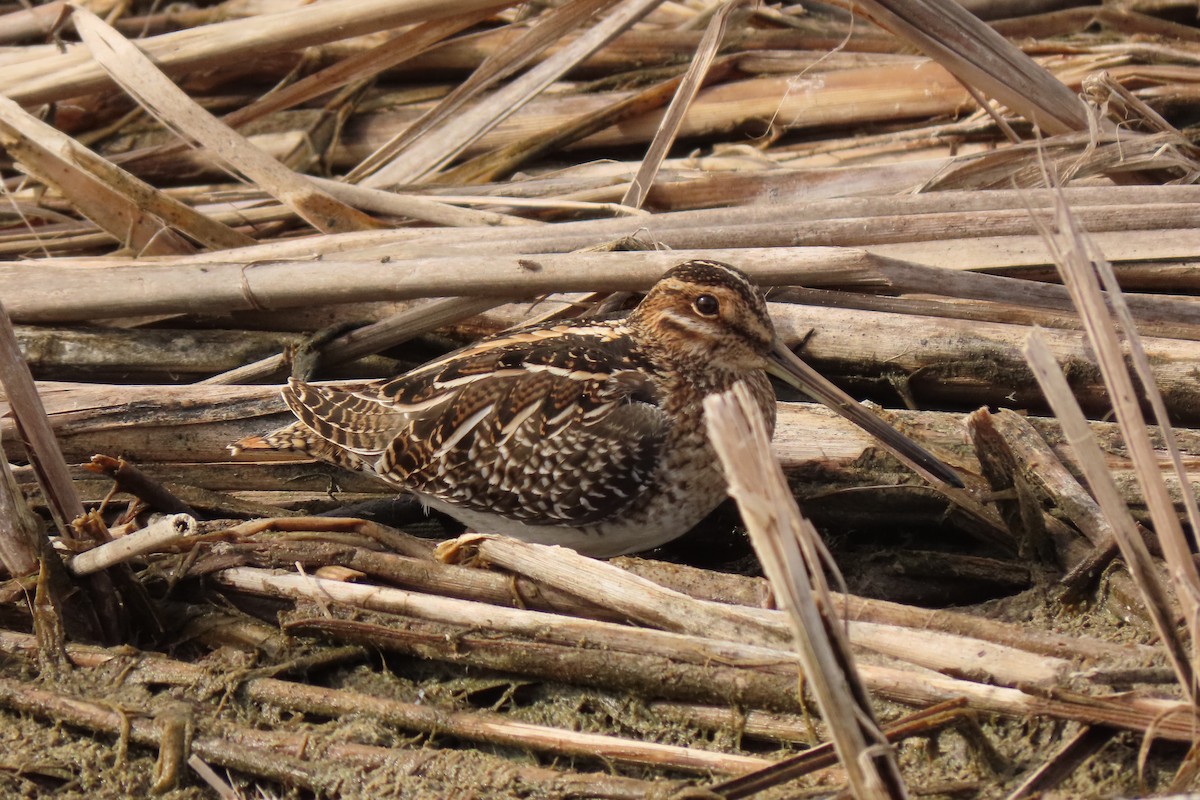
x: 20, y: 531
x: 791, y: 555
x: 626, y: 594
x: 152, y: 538
x: 236, y: 285
x: 494, y: 729
x: 671, y: 665
x: 630, y: 597
x: 131, y: 211
x: 431, y: 153
x: 502, y: 63
x: 1090, y: 460
x: 668, y: 128
x: 34, y: 430
x: 359, y: 66
x: 368, y: 339
x: 139, y: 76
x: 1076, y: 257
x: 982, y: 58
x: 73, y: 73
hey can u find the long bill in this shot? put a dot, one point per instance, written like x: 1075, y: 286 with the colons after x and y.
x: 785, y: 365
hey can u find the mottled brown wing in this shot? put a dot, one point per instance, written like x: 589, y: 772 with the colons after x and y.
x: 545, y: 434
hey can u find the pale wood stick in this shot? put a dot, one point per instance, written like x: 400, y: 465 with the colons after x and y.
x: 631, y: 597
x: 555, y: 653
x: 169, y: 530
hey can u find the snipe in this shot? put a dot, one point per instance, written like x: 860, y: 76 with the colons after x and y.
x: 588, y: 434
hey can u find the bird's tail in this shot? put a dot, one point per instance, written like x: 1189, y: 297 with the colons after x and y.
x: 289, y: 441
x: 294, y: 438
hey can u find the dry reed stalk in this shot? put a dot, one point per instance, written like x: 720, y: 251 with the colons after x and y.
x: 60, y: 75
x: 1082, y: 270
x: 501, y: 64
x: 794, y: 561
x: 983, y: 59
x: 166, y: 531
x: 629, y: 597
x: 414, y: 206
x: 430, y: 154
x: 660, y: 45
x: 238, y: 285
x: 131, y: 211
x: 421, y: 574
x: 543, y: 570
x: 368, y: 339
x: 846, y: 97
x: 496, y: 729
x: 33, y: 429
x: 548, y: 646
x: 143, y: 80
x: 672, y: 120
x: 938, y: 235
x: 950, y: 222
x: 490, y: 165
x: 1090, y: 461
x: 20, y: 529
x: 739, y: 590
x: 587, y: 588
x: 356, y: 67
x: 95, y: 291
x: 1042, y: 472
x: 36, y: 22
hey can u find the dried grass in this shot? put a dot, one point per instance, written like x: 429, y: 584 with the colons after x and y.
x: 191, y: 194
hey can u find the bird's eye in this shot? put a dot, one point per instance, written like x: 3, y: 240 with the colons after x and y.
x: 706, y: 305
